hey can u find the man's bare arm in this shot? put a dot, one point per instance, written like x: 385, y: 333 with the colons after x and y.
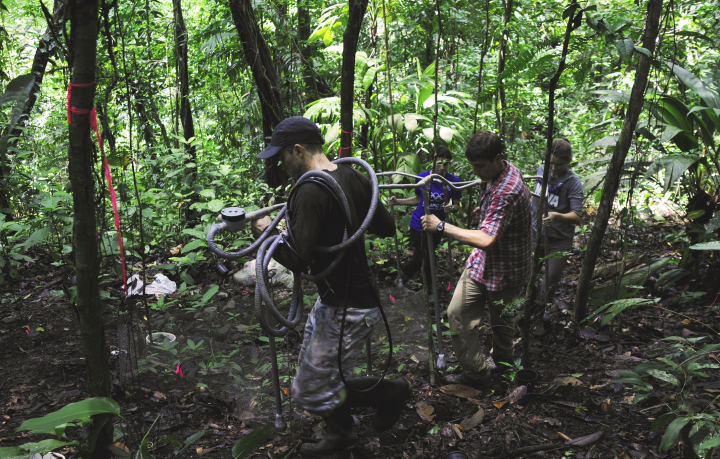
x: 473, y: 238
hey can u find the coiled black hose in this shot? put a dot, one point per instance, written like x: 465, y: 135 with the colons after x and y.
x: 267, y: 243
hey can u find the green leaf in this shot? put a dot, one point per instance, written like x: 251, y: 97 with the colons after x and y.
x: 192, y: 439
x: 197, y: 233
x: 144, y: 451
x: 216, y: 205
x: 663, y: 420
x: 642, y: 50
x: 712, y: 443
x: 11, y: 452
x: 74, y: 411
x: 709, y: 97
x: 250, y: 442
x: 210, y: 293
x: 29, y: 449
x: 625, y: 47
x: 328, y: 37
x: 318, y: 34
x: 36, y: 237
x: 618, y: 306
x: 187, y: 278
x: 425, y: 93
x: 609, y: 141
x: 194, y: 245
x: 712, y: 245
x: 665, y: 376
x: 208, y: 193
x: 147, y: 212
x: 18, y: 89
x: 670, y: 277
x: 670, y: 438
x: 369, y: 77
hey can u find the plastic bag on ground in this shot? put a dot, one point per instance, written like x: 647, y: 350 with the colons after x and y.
x: 161, y: 286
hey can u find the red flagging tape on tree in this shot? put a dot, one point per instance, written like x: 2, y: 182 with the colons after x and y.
x: 113, y: 197
x: 351, y: 141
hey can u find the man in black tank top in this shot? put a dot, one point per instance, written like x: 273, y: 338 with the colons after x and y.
x: 317, y: 219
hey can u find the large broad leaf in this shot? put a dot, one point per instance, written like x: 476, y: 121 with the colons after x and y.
x: 446, y: 133
x: 670, y: 438
x: 369, y: 77
x: 609, y: 141
x: 411, y: 121
x: 590, y: 182
x: 429, y: 133
x: 625, y: 47
x: 670, y: 277
x: 709, y: 96
x: 669, y: 133
x: 675, y: 113
x: 250, y: 442
x: 674, y: 167
x: 36, y: 237
x: 713, y: 245
x: 612, y: 96
x: 29, y: 449
x: 424, y: 94
x: 72, y: 412
x: 410, y: 164
x: 18, y: 91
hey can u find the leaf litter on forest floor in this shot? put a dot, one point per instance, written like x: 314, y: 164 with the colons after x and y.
x: 459, y: 390
x: 425, y: 411
x: 471, y: 422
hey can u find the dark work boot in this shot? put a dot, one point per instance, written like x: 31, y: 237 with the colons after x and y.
x: 388, y: 397
x: 339, y: 434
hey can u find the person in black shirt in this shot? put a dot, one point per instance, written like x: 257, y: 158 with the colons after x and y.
x: 317, y: 219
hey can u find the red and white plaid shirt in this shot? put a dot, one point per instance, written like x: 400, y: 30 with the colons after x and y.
x: 505, y: 215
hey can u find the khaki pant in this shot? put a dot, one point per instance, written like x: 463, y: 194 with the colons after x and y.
x: 465, y: 313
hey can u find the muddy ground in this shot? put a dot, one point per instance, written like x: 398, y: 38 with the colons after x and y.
x: 226, y: 389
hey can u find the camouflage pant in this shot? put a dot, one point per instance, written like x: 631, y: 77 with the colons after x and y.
x: 317, y: 387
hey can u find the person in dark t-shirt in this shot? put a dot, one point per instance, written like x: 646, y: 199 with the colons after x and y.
x: 315, y: 218
x: 443, y: 200
x: 565, y: 199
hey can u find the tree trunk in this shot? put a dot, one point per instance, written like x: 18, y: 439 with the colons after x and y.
x: 482, y: 62
x: 181, y: 51
x: 365, y: 128
x: 507, y: 7
x: 303, y: 13
x: 83, y: 41
x: 258, y: 56
x: 614, y: 172
x: 347, y: 81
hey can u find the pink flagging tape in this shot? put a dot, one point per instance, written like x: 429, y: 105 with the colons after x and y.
x: 113, y: 197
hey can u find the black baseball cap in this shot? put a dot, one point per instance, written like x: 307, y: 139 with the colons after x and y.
x: 290, y: 131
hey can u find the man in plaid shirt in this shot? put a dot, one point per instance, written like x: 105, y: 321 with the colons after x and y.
x: 496, y: 273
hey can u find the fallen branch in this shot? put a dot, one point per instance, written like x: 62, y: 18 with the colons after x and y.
x: 578, y: 442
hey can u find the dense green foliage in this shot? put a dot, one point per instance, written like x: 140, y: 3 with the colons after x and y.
x: 137, y: 92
